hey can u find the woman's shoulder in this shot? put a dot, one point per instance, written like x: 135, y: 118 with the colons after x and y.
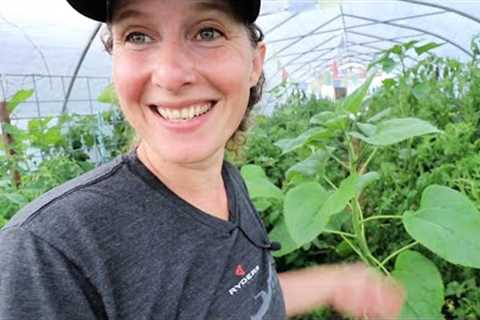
x: 80, y: 195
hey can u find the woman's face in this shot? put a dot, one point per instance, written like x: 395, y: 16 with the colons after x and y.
x: 182, y: 70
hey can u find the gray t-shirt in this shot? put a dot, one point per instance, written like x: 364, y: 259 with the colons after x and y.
x: 116, y: 243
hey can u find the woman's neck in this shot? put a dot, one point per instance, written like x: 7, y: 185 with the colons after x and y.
x: 200, y: 184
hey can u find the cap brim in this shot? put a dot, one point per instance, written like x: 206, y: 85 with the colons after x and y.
x: 249, y: 9
x: 97, y: 9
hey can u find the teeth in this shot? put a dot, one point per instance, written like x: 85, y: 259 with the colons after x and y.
x: 162, y: 112
x: 185, y: 113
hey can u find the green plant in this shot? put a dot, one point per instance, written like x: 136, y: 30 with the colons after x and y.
x: 317, y: 203
x: 52, y: 150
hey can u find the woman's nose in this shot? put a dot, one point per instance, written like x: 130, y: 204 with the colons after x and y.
x: 173, y: 67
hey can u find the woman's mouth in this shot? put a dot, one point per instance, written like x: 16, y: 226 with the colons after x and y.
x: 183, y: 114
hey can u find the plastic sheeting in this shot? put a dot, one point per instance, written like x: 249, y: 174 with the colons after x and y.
x: 310, y: 42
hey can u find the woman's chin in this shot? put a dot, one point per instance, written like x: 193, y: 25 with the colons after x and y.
x: 187, y: 154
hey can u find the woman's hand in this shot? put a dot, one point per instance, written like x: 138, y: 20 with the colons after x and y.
x: 365, y: 294
x: 352, y: 289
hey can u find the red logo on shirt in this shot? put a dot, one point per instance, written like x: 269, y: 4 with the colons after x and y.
x: 239, y: 271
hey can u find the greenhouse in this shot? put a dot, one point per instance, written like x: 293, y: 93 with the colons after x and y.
x: 365, y: 145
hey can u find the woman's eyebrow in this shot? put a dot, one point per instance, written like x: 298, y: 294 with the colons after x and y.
x: 128, y: 14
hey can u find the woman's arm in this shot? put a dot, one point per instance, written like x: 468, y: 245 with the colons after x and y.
x: 350, y: 289
x: 38, y: 282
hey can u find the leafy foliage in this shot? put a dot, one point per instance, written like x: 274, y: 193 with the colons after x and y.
x: 447, y: 223
x: 420, y: 129
x: 424, y: 298
x: 50, y: 151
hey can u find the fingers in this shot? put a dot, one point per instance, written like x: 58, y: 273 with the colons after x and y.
x: 366, y: 294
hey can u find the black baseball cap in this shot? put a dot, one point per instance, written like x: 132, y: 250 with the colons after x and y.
x: 99, y: 9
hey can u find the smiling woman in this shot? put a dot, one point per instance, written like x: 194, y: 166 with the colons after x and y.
x: 168, y: 231
x: 255, y: 36
x: 174, y: 61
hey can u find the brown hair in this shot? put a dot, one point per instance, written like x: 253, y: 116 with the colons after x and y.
x: 255, y: 35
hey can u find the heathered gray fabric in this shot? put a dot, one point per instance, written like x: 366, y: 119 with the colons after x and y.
x: 117, y: 244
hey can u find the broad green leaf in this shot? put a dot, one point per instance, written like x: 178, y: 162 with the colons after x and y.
x: 388, y: 64
x: 389, y: 132
x: 343, y: 249
x: 427, y: 47
x: 381, y: 115
x: 280, y: 233
x: 367, y: 129
x: 397, y: 49
x: 53, y: 136
x: 297, y: 179
x: 340, y: 198
x: 108, y: 95
x: 258, y: 185
x: 309, y: 207
x: 315, y: 164
x: 261, y: 204
x: 409, y: 45
x: 339, y: 122
x: 322, y: 117
x: 353, y: 102
x: 338, y: 220
x: 251, y: 171
x: 19, y: 97
x: 313, y: 134
x: 389, y: 83
x: 448, y: 224
x: 15, y: 198
x: 423, y: 285
x: 421, y: 90
x: 301, y: 210
x: 38, y: 126
x: 365, y: 180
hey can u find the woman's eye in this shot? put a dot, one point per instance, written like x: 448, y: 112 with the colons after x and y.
x: 208, y: 34
x: 138, y: 38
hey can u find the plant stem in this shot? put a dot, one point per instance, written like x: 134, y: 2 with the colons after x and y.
x: 352, y: 156
x: 357, y: 217
x: 339, y: 161
x: 354, y: 248
x: 334, y: 187
x: 360, y: 216
x: 341, y: 233
x: 370, y: 157
x: 381, y: 217
x: 380, y: 265
x: 408, y: 246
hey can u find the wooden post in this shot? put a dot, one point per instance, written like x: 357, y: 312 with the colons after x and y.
x: 340, y: 93
x: 8, y: 142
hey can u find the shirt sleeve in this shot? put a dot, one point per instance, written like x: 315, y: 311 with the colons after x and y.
x: 38, y: 282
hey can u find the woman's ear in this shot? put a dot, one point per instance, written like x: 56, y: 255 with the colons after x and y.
x: 257, y: 63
